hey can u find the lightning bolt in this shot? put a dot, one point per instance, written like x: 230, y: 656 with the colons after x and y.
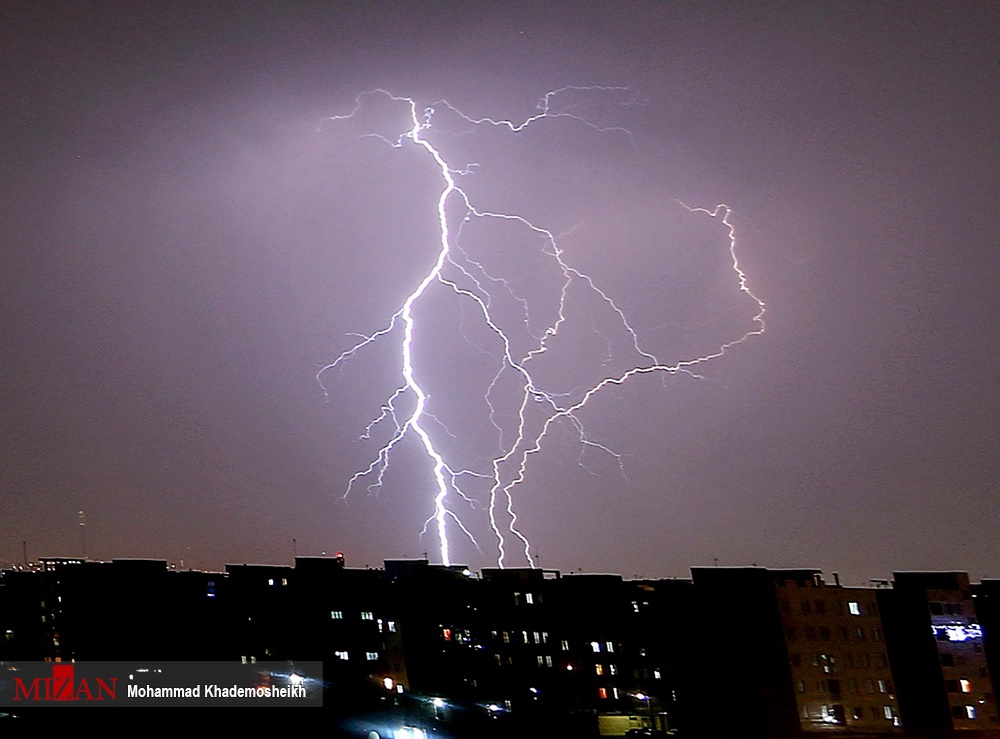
x: 538, y: 408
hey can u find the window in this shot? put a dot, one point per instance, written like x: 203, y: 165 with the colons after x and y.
x: 602, y: 692
x: 948, y: 660
x: 820, y: 607
x: 887, y: 712
x: 599, y: 669
x: 657, y: 675
x: 883, y: 687
x: 564, y: 645
x: 529, y: 598
x: 854, y: 608
x: 858, y: 713
x: 859, y: 634
x: 370, y: 656
x: 970, y: 712
x: 824, y: 633
x: 610, y: 646
x: 341, y: 655
x: 802, y: 686
x: 806, y: 607
x: 367, y: 616
x: 965, y: 685
x: 876, y: 634
x: 446, y: 634
x: 392, y: 627
x: 548, y: 660
x: 336, y: 614
x: 613, y: 669
x: 541, y: 660
x: 595, y: 646
x: 538, y: 637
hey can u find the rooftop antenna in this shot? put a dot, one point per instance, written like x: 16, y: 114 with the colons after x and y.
x: 83, y: 532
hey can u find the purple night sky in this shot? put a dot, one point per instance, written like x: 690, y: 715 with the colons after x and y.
x: 187, y: 241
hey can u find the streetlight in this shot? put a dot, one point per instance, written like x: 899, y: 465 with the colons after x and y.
x: 649, y: 705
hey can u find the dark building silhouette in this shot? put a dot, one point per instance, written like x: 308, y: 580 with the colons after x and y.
x: 936, y: 648
x: 744, y: 652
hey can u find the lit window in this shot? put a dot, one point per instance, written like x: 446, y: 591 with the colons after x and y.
x: 367, y: 616
x: 545, y: 637
x: 635, y: 606
x: 970, y: 711
x: 602, y: 692
x: 541, y: 660
x: 548, y: 660
x: 446, y: 633
x: 392, y: 626
x: 657, y: 675
x: 270, y: 581
x: 887, y: 712
x: 341, y: 655
x: 371, y: 656
x: 284, y: 581
x: 965, y: 685
x: 564, y: 645
x: 595, y: 646
x: 613, y: 669
x: 854, y: 608
x: 599, y: 669
x: 529, y: 598
x: 883, y: 687
x: 506, y: 637
x: 336, y: 614
x: 614, y: 692
x: 538, y: 637
x: 610, y: 646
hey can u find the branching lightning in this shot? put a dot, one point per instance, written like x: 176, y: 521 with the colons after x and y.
x: 538, y: 408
